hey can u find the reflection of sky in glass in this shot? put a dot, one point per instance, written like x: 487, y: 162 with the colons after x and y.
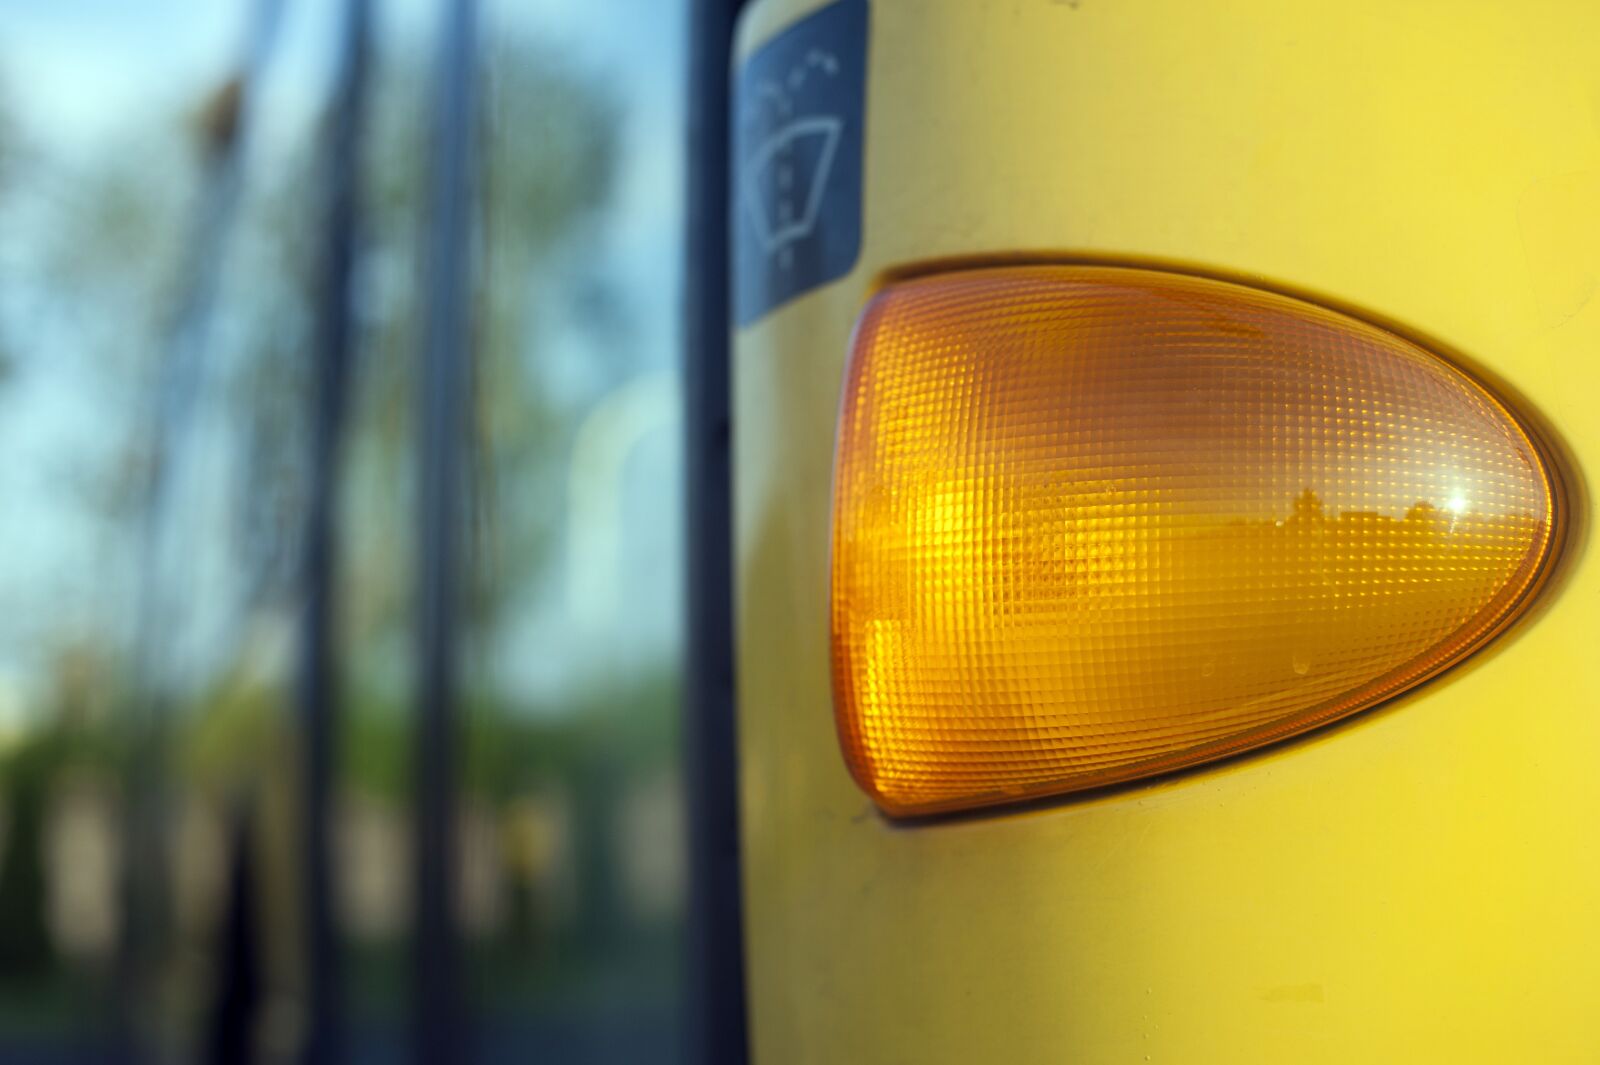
x: 611, y: 595
x: 83, y: 77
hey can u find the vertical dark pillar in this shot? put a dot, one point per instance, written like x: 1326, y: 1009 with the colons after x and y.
x: 319, y: 684
x: 444, y: 387
x: 716, y: 1020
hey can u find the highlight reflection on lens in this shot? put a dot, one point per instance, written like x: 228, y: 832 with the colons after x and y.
x: 1095, y: 523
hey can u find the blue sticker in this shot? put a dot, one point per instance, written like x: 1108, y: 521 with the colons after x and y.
x: 797, y: 121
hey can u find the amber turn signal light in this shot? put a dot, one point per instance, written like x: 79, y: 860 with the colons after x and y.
x: 1093, y: 524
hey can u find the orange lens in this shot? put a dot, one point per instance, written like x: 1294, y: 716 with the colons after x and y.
x: 1092, y: 524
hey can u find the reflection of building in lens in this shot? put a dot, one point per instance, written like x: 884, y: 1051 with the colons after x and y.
x: 200, y: 864
x: 82, y: 857
x: 373, y: 852
x: 481, y: 899
x: 650, y: 847
x: 538, y: 848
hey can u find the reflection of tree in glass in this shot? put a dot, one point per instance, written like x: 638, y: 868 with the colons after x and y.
x: 98, y: 263
x: 548, y: 146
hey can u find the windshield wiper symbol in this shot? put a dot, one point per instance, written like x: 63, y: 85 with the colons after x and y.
x: 782, y: 181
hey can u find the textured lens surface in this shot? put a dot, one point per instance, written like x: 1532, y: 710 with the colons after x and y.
x: 1094, y: 523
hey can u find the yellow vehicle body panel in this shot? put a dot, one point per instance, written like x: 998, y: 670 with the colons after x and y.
x: 1417, y: 884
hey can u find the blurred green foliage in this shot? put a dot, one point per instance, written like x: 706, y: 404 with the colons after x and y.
x: 550, y: 149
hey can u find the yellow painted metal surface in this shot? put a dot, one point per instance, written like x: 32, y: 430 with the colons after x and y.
x: 1418, y: 884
